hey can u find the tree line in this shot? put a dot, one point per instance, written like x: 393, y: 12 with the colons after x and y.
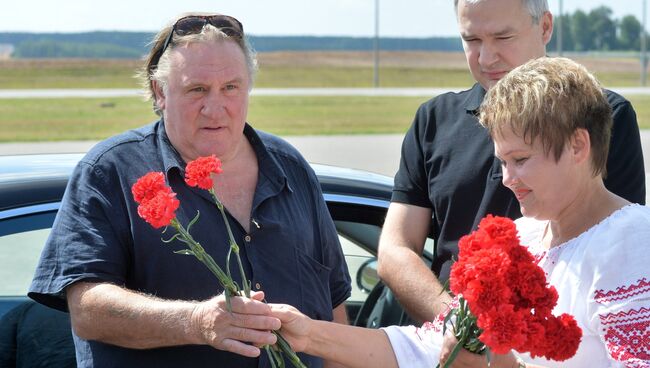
x: 597, y: 31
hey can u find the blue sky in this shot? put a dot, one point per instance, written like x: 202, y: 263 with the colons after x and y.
x: 398, y: 18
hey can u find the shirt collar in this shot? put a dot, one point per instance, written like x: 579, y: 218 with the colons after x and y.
x: 269, y: 168
x: 268, y: 165
x: 170, y: 157
x: 474, y: 98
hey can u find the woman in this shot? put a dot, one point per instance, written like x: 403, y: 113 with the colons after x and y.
x: 550, y: 123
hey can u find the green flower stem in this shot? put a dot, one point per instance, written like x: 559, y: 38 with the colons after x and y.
x: 206, y: 259
x: 233, y: 244
x: 282, y: 343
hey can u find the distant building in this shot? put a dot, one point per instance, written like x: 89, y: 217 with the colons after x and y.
x: 6, y: 50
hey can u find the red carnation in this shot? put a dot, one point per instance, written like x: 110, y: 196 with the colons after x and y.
x: 501, y: 230
x: 504, y: 298
x: 562, y: 337
x: 503, y: 328
x: 160, y: 210
x: 197, y: 172
x: 528, y: 281
x: 148, y: 186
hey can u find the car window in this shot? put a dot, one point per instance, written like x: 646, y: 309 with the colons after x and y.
x: 18, y: 257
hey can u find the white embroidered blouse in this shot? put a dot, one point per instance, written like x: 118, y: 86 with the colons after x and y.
x: 603, y: 280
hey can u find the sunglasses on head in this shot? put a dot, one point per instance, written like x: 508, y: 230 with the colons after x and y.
x: 193, y: 24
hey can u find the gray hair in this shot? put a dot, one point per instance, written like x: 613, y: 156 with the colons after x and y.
x: 536, y: 8
x: 157, y: 69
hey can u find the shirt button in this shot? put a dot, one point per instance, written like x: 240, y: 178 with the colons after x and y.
x: 247, y: 238
x: 258, y: 286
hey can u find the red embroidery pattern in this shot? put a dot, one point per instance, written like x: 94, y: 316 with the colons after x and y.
x: 627, y: 336
x: 622, y: 293
x: 437, y: 323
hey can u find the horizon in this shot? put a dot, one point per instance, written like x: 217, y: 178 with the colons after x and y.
x: 281, y: 18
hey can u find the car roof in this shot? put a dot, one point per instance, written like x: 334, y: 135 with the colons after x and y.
x: 34, y: 179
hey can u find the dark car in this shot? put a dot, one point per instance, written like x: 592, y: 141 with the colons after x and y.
x: 31, y: 188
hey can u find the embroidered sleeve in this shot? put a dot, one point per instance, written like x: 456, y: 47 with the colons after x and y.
x: 624, y: 316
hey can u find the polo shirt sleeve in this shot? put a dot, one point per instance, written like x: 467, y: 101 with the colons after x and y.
x: 84, y: 242
x: 411, y: 182
x: 625, y: 169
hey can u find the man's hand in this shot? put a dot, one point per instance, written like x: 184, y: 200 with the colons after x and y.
x: 250, y: 321
x: 118, y: 316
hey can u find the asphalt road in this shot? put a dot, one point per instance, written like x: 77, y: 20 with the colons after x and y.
x: 376, y: 153
x: 124, y: 92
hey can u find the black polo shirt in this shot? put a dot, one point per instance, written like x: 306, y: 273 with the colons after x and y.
x: 292, y: 251
x: 448, y: 165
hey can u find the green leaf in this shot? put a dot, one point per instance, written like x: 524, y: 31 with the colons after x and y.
x: 185, y: 252
x: 194, y: 220
x: 171, y: 239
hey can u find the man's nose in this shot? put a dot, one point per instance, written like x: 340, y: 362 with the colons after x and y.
x: 488, y: 55
x: 212, y: 104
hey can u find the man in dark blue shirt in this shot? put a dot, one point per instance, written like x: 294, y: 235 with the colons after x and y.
x: 132, y: 301
x: 449, y: 179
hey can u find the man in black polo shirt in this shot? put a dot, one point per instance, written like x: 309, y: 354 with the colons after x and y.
x: 448, y: 178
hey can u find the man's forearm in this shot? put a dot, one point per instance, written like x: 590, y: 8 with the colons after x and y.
x: 414, y: 285
x: 113, y: 315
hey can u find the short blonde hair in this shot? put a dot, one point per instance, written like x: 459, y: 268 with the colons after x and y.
x: 549, y: 99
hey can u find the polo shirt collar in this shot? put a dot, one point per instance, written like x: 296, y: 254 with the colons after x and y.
x: 474, y: 98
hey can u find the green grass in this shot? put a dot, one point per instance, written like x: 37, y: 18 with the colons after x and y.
x: 98, y: 118
x: 94, y: 118
x: 120, y: 74
x: 319, y: 76
x: 70, y: 74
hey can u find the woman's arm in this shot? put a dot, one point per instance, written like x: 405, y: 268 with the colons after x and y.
x: 348, y: 345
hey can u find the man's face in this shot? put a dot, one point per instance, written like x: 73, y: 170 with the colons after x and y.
x: 499, y: 35
x: 205, y: 102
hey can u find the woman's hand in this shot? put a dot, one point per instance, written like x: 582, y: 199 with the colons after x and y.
x: 467, y: 359
x: 295, y: 327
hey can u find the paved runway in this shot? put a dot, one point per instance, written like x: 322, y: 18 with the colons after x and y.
x: 125, y: 92
x: 377, y: 153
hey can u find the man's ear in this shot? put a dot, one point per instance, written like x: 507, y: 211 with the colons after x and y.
x: 159, y: 94
x: 546, y: 22
x: 580, y: 145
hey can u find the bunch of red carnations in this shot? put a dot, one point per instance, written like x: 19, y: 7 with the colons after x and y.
x: 505, y: 302
x: 157, y: 205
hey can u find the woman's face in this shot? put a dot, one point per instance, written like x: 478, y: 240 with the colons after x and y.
x: 543, y: 186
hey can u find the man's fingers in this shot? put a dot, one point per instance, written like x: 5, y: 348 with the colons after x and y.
x: 257, y: 295
x: 240, y: 348
x: 252, y: 336
x: 256, y: 322
x: 247, y: 306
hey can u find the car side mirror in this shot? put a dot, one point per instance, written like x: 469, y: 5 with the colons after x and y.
x: 367, y: 276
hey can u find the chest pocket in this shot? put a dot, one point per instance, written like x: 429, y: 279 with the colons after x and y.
x: 314, y: 287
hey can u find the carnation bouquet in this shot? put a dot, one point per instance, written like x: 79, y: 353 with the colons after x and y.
x: 504, y: 300
x: 158, y: 205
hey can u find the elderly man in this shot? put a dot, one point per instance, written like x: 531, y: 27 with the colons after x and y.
x: 448, y: 178
x: 132, y: 301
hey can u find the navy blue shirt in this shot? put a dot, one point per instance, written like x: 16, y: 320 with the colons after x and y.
x: 448, y: 165
x: 292, y: 251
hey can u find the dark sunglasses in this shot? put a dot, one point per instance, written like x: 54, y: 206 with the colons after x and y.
x: 193, y: 24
